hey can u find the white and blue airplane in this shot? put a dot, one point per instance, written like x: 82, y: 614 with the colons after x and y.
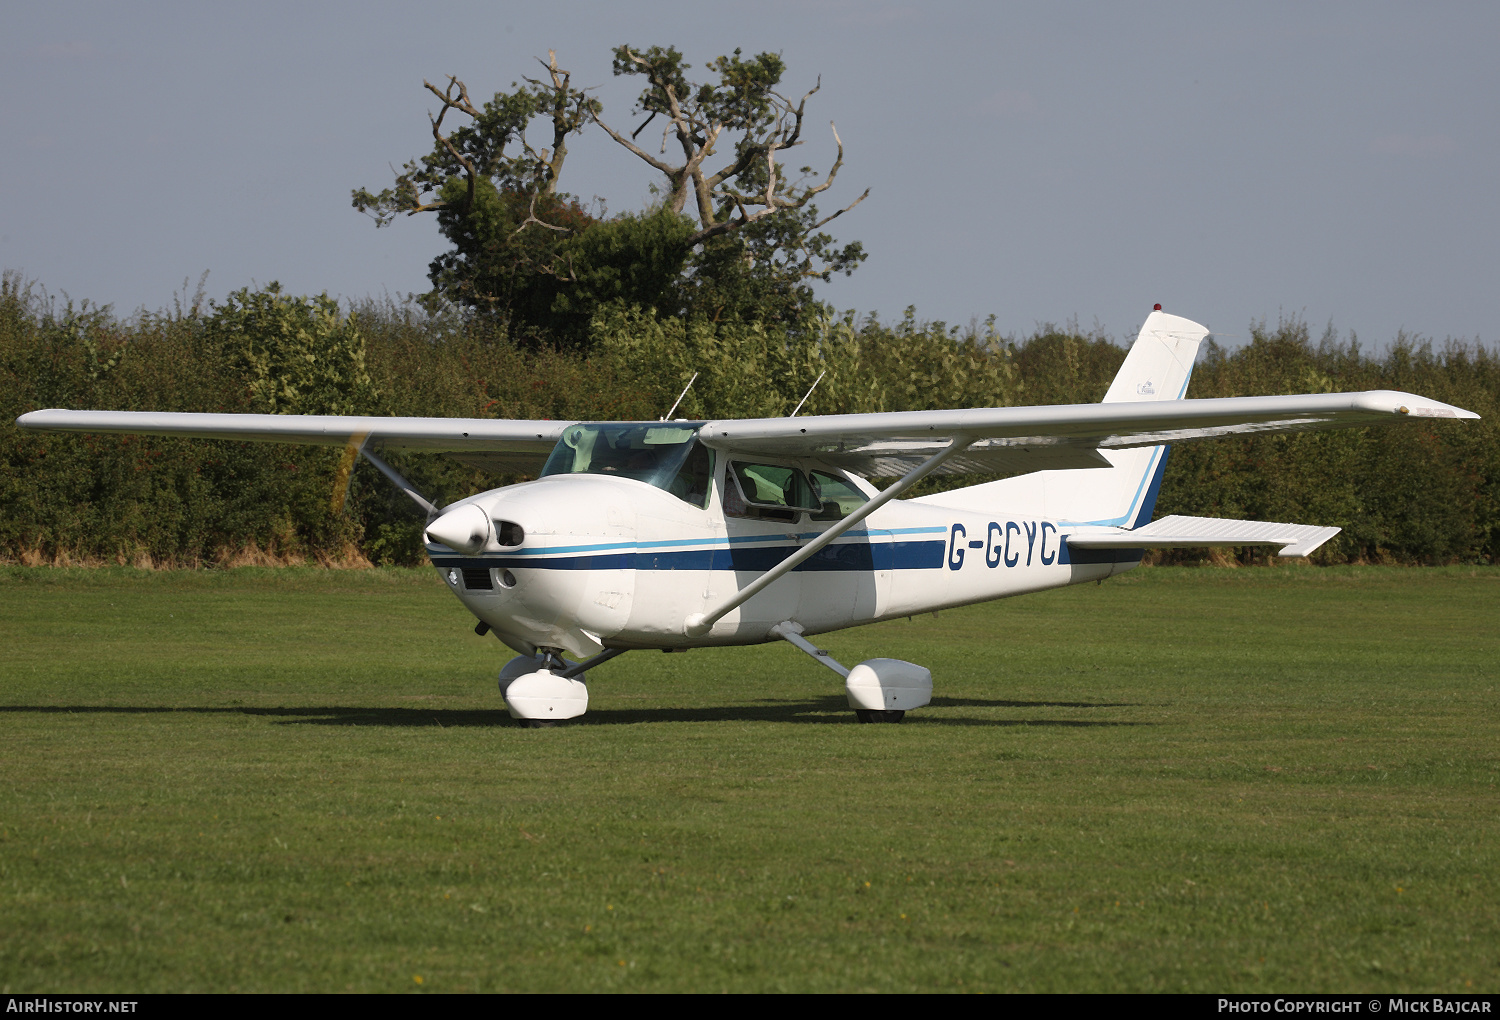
x: 680, y: 534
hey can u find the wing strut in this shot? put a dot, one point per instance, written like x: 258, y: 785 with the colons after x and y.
x: 400, y: 483
x: 699, y: 624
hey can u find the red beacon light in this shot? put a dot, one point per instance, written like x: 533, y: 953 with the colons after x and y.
x: 1156, y: 307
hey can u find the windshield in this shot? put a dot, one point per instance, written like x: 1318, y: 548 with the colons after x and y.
x: 665, y: 455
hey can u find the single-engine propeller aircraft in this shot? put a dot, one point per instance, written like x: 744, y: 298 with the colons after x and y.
x: 679, y: 534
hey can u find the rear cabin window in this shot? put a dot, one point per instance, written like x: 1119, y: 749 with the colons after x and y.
x: 767, y: 492
x: 837, y: 496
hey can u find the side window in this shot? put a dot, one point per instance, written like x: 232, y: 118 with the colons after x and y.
x: 693, y: 478
x: 838, y: 497
x: 769, y: 492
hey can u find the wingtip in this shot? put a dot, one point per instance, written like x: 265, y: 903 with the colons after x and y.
x: 1433, y: 409
x: 34, y: 419
x: 1412, y: 405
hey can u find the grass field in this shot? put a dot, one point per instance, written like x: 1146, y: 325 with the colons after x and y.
x: 1256, y: 780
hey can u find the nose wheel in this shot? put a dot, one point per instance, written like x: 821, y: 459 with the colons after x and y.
x: 876, y: 715
x: 542, y: 690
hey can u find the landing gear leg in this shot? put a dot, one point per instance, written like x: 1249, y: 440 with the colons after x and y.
x: 893, y: 685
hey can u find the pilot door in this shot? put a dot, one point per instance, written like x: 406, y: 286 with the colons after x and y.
x: 771, y: 511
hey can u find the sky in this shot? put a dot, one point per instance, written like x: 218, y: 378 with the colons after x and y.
x: 1041, y: 162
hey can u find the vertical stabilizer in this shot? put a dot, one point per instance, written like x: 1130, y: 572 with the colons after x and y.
x: 1160, y: 362
x: 1158, y: 367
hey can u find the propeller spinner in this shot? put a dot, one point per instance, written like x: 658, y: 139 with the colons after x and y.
x: 465, y: 529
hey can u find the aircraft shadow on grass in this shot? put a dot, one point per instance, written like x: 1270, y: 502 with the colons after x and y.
x: 830, y: 710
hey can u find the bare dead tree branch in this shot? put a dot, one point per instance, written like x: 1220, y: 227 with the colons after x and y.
x: 569, y: 111
x: 696, y: 138
x: 698, y: 135
x: 834, y: 216
x: 551, y: 270
x: 462, y: 105
x: 770, y: 201
x: 532, y: 218
x: 664, y: 167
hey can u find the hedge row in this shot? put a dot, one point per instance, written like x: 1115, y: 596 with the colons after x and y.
x: 1420, y: 492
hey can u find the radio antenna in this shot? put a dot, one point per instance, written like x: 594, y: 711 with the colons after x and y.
x: 808, y: 393
x: 679, y: 397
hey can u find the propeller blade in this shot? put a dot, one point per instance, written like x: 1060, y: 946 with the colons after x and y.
x: 345, y: 472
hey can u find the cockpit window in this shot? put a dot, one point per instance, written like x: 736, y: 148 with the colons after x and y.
x: 666, y: 455
x: 838, y: 497
x: 694, y: 478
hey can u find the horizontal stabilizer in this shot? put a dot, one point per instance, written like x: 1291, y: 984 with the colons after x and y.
x: 1177, y: 532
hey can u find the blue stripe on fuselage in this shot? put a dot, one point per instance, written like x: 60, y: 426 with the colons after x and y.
x: 734, y: 540
x: 861, y: 556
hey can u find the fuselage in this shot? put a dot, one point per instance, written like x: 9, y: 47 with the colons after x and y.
x: 607, y: 561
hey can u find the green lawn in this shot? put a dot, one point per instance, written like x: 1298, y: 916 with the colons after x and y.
x: 1255, y: 780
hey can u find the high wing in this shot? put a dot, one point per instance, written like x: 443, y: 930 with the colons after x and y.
x: 1018, y: 440
x: 1005, y: 440
x: 497, y: 445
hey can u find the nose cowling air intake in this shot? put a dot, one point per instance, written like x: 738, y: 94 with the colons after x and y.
x: 464, y: 530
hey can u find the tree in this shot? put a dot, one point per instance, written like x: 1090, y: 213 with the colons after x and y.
x: 533, y: 255
x: 759, y: 239
x: 751, y: 186
x: 500, y: 209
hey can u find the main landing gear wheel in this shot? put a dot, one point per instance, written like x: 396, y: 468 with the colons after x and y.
x: 875, y: 715
x: 537, y: 724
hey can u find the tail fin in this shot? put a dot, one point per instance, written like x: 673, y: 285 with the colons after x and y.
x: 1158, y: 367
x: 1160, y: 362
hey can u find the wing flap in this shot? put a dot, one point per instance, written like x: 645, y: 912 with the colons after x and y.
x: 987, y: 457
x: 1178, y: 532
